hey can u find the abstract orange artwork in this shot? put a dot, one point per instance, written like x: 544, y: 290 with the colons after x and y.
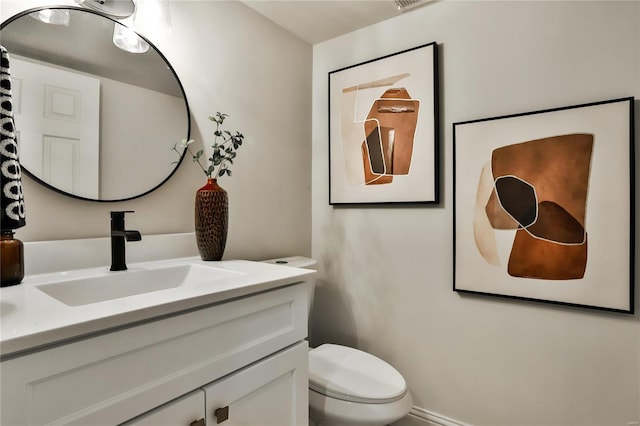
x: 383, y: 129
x: 389, y: 128
x: 543, y: 205
x: 540, y: 189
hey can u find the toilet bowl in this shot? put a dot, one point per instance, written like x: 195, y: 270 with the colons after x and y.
x: 350, y: 387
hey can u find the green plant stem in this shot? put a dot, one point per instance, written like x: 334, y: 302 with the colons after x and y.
x: 197, y: 161
x: 222, y: 154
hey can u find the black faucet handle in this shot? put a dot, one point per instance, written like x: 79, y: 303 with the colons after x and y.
x: 120, y: 213
x: 118, y: 237
x: 117, y: 220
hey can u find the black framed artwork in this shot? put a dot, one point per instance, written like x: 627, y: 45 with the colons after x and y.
x: 544, y: 205
x: 383, y: 129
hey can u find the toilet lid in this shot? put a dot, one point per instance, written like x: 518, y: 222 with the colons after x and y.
x: 352, y: 375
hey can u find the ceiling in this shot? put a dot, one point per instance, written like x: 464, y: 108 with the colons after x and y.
x: 86, y: 46
x: 315, y: 21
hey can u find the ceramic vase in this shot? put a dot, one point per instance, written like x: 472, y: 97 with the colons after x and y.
x: 211, y: 220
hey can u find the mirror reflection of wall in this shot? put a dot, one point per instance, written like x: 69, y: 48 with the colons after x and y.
x: 139, y: 109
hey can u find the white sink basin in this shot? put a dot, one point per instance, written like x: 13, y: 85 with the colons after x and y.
x: 78, y: 291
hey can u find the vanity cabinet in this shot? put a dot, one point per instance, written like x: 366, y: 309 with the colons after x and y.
x: 184, y: 411
x: 270, y: 393
x: 264, y: 394
x: 247, y: 354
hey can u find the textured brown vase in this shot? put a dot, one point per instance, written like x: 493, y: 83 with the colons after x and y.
x: 211, y: 220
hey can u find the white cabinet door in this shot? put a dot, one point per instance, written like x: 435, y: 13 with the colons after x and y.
x: 271, y: 392
x: 185, y: 411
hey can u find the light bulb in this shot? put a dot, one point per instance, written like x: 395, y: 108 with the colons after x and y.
x: 52, y: 16
x: 127, y: 40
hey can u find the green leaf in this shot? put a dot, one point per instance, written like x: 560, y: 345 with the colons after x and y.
x: 224, y: 145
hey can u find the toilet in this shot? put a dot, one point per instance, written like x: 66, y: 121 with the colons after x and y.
x: 350, y: 387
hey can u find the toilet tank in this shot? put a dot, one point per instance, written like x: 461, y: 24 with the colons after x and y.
x: 295, y: 261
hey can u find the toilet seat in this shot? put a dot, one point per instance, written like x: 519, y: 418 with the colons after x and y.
x: 352, y: 375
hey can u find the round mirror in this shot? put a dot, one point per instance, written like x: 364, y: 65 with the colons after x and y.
x: 92, y: 120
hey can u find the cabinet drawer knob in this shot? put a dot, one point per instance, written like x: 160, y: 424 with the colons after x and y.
x: 221, y: 414
x: 197, y: 423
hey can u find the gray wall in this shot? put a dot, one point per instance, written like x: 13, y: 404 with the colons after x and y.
x: 229, y: 59
x: 385, y: 280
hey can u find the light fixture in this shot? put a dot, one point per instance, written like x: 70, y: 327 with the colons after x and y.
x: 128, y: 40
x: 52, y: 16
x: 152, y: 17
x: 113, y: 8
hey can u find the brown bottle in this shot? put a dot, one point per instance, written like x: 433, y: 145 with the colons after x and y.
x: 11, y: 258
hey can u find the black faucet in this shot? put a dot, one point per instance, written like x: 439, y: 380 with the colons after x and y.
x: 118, y: 237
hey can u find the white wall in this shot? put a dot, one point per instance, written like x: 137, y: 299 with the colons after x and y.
x: 229, y: 59
x: 124, y: 122
x: 386, y: 273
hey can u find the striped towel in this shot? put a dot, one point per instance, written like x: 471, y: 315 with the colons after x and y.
x: 12, y: 212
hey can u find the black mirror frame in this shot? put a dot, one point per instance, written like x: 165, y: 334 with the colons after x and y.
x: 169, y: 66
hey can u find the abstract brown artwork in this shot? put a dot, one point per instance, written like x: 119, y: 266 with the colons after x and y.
x: 544, y: 205
x: 540, y: 189
x: 383, y: 129
x: 390, y: 128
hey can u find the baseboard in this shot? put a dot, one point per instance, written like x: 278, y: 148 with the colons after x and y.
x: 421, y: 417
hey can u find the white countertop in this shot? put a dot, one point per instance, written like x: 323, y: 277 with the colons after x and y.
x: 30, y: 318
